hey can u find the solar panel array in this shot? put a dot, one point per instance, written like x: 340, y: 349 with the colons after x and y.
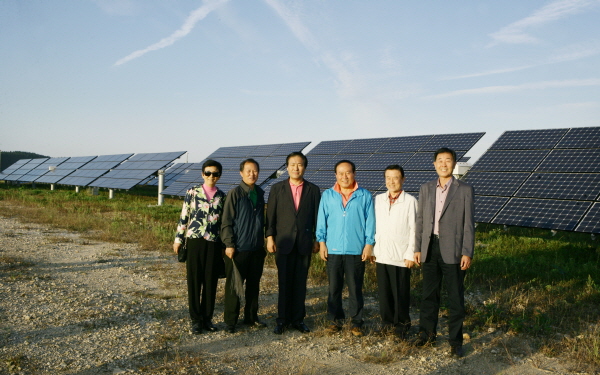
x: 540, y: 178
x: 41, y: 169
x: 92, y: 170
x: 371, y: 157
x: 21, y: 169
x: 271, y: 158
x: 135, y: 170
x: 65, y: 169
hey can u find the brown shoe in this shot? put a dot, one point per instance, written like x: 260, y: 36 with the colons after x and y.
x: 356, y: 331
x: 334, y: 328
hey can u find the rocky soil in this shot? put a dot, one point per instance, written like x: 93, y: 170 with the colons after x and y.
x: 69, y: 305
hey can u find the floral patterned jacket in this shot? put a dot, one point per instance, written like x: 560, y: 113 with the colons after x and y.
x: 200, y: 218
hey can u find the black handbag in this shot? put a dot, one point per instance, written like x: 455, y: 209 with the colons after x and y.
x: 182, y: 253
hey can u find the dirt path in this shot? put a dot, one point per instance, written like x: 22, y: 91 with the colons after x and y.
x: 74, y: 306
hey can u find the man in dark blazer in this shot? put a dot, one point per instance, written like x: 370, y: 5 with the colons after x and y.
x: 444, y: 243
x: 290, y: 230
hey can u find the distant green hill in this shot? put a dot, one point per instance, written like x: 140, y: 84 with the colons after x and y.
x: 11, y: 157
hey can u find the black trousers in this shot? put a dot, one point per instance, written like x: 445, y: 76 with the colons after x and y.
x: 292, y: 272
x: 250, y: 264
x: 393, y: 287
x: 351, y: 269
x: 434, y: 270
x: 202, y: 277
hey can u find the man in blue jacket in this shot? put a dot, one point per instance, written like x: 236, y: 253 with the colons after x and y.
x: 346, y: 235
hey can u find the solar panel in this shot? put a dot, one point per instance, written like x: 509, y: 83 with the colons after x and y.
x: 65, y: 169
x: 542, y: 213
x: 529, y: 139
x: 136, y: 169
x: 581, y: 138
x: 363, y: 146
x: 548, y: 177
x: 19, y: 174
x: 12, y: 168
x: 494, y: 183
x: 423, y: 161
x: 579, y: 186
x: 455, y: 142
x: 487, y: 207
x: 381, y: 161
x: 329, y: 147
x: 287, y: 148
x: 583, y: 160
x: 510, y: 161
x: 93, y: 169
x: 316, y: 162
x: 591, y: 221
x: 404, y: 144
x: 414, y: 179
x: 172, y: 174
x: 42, y: 169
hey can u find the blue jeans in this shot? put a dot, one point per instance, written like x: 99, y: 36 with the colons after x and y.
x: 352, y: 269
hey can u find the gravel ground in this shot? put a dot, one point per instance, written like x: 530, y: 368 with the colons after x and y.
x: 69, y: 305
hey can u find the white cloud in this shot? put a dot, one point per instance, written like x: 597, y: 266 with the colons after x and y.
x: 516, y: 32
x: 191, y: 21
x: 514, y: 88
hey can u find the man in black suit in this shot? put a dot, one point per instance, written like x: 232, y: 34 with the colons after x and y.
x: 444, y: 244
x: 290, y: 230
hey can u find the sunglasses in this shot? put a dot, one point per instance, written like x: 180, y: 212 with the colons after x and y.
x: 214, y: 174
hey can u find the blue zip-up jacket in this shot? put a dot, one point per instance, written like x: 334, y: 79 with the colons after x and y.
x: 346, y: 230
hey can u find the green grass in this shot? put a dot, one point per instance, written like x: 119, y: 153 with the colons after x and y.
x: 526, y: 281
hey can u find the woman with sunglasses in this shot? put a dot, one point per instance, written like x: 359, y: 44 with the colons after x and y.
x: 199, y: 228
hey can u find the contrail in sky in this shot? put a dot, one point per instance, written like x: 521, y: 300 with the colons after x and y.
x: 185, y: 29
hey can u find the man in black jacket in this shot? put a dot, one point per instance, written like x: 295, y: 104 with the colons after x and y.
x: 242, y: 232
x: 290, y: 230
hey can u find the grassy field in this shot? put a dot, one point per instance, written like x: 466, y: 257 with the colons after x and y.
x: 527, y: 281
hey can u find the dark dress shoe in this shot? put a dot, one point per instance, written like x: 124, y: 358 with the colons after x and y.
x: 209, y: 326
x: 196, y: 328
x: 279, y: 329
x: 456, y: 351
x: 231, y: 329
x: 301, y: 327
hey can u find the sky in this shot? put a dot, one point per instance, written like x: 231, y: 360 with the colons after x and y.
x: 98, y: 77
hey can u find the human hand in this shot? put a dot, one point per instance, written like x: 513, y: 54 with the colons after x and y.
x: 465, y: 263
x: 366, y: 253
x: 418, y: 259
x: 323, y: 251
x: 229, y: 251
x: 271, y: 246
x: 408, y: 263
x: 176, y: 247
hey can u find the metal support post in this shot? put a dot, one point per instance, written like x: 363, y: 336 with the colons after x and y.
x: 161, y: 185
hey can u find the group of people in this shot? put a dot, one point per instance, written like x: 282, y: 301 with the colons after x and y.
x: 347, y: 227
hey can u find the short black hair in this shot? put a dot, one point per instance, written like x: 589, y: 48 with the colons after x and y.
x: 249, y: 160
x: 296, y: 154
x: 444, y: 150
x: 344, y: 161
x: 394, y: 167
x: 212, y: 163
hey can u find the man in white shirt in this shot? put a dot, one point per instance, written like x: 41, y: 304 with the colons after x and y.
x: 395, y: 215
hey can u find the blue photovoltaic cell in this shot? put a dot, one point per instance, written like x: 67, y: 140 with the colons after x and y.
x: 404, y: 144
x: 529, y: 139
x: 464, y: 159
x: 423, y: 161
x: 581, y: 138
x: 357, y: 159
x: 90, y: 171
x: 265, y: 150
x: 584, y: 160
x: 487, y: 207
x: 14, y: 167
x: 510, y: 161
x: 378, y: 162
x: 542, y: 213
x: 579, y: 186
x: 414, y: 179
x: 495, y: 183
x: 363, y: 146
x: 591, y: 221
x: 178, y: 188
x: 370, y: 180
x: 455, y: 142
x: 133, y: 171
x: 172, y: 174
x: 329, y: 147
x: 323, y: 179
x: 315, y: 162
x: 287, y: 148
x: 20, y: 173
x: 41, y: 169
